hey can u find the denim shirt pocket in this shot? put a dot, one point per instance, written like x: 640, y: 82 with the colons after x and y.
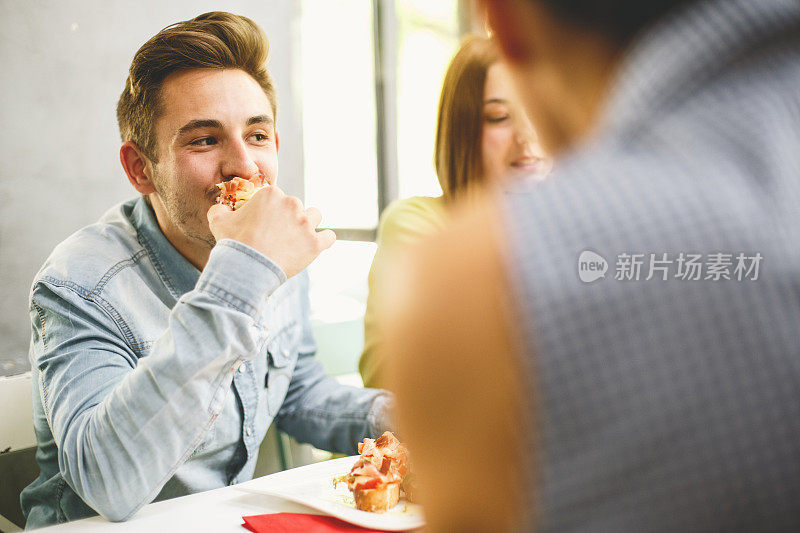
x: 281, y: 356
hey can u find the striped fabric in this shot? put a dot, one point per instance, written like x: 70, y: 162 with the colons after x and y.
x: 672, y: 403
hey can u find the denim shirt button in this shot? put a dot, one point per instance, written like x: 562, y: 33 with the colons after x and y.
x: 242, y: 368
x: 248, y: 431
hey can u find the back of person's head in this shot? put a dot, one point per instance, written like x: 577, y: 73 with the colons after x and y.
x: 215, y: 40
x: 460, y: 118
x: 618, y: 20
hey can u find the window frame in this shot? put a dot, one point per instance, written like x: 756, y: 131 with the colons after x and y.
x: 385, y: 57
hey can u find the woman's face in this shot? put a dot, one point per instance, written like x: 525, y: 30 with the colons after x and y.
x: 509, y: 146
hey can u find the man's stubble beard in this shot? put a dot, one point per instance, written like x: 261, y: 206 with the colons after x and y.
x: 183, y: 215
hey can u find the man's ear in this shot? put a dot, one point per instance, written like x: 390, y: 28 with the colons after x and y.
x: 137, y: 166
x: 508, y: 21
x: 277, y: 141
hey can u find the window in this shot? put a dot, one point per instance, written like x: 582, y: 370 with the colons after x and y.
x: 371, y: 75
x: 428, y: 37
x: 338, y: 107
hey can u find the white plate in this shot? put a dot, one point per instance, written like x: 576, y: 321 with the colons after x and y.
x: 312, y: 486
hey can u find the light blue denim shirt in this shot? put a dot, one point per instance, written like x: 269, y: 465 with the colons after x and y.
x: 153, y: 380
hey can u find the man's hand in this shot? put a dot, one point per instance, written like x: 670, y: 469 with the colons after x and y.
x: 276, y: 225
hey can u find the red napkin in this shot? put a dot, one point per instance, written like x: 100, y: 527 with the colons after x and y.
x: 298, y: 523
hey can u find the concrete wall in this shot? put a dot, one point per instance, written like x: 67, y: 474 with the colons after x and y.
x: 63, y: 65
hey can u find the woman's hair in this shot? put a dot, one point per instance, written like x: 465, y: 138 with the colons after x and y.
x: 460, y: 121
x: 215, y: 40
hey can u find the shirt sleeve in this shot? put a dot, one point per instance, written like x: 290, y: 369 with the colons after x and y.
x: 319, y: 410
x: 123, y: 425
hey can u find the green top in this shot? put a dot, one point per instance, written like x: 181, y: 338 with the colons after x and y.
x: 403, y: 223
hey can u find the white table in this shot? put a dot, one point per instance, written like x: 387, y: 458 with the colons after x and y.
x: 215, y: 510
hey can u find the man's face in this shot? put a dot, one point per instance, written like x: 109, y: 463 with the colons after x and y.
x: 216, y: 124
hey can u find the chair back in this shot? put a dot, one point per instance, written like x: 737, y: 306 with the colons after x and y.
x: 18, y: 466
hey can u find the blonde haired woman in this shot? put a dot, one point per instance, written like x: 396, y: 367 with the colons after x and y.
x: 482, y: 138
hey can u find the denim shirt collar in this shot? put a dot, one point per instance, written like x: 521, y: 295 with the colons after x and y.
x: 177, y: 273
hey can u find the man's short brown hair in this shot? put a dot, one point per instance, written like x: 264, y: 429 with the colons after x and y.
x: 215, y: 40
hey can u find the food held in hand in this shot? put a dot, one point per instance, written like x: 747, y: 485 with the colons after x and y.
x: 380, y: 475
x: 236, y: 191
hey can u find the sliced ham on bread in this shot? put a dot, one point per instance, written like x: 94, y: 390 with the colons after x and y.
x: 377, y: 500
x: 237, y: 191
x: 377, y: 475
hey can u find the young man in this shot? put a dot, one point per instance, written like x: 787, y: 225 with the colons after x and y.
x: 168, y: 336
x: 536, y: 394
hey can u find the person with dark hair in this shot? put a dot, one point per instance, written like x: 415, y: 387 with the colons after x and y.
x: 482, y: 139
x: 168, y: 336
x: 616, y: 348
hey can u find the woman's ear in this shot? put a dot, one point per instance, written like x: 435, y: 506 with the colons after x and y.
x: 137, y: 166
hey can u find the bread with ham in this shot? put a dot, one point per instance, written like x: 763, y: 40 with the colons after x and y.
x: 236, y: 191
x: 378, y: 476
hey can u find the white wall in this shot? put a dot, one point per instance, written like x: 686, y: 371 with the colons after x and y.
x: 63, y: 64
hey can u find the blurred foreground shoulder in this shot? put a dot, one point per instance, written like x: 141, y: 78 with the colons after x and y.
x: 452, y: 359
